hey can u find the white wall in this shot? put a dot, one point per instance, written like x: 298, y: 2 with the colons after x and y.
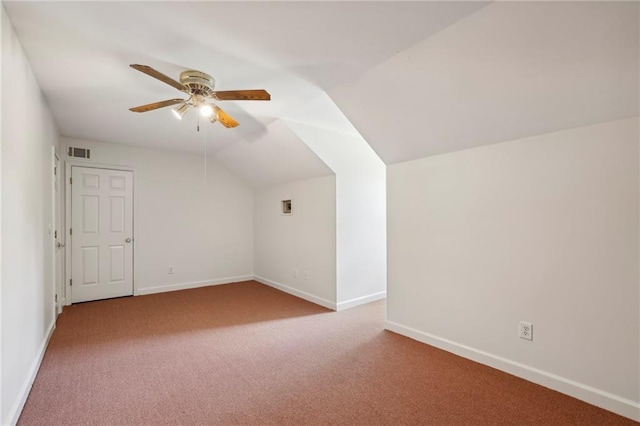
x: 542, y: 229
x: 360, y: 210
x: 27, y: 313
x: 304, y: 241
x: 203, y: 229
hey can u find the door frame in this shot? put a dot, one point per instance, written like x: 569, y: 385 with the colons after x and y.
x: 57, y: 218
x: 69, y: 163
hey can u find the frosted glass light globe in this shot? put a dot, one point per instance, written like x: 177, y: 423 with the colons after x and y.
x: 180, y: 111
x: 206, y: 110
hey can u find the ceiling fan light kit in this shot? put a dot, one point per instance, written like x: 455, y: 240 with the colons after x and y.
x: 180, y: 111
x: 200, y: 87
x: 206, y: 110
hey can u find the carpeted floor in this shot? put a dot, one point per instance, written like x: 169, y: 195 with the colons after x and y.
x: 245, y: 353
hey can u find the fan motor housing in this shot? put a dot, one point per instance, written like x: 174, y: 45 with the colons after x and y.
x: 198, y: 82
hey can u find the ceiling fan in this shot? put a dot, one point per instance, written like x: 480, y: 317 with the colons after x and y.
x: 199, y: 86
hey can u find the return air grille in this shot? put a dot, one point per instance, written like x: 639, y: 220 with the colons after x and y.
x: 286, y: 207
x: 79, y: 152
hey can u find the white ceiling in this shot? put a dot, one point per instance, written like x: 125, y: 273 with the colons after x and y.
x: 511, y: 70
x: 80, y: 52
x: 414, y: 78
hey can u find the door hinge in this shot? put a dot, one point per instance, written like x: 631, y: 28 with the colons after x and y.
x: 55, y: 171
x: 70, y: 181
x: 56, y: 298
x: 55, y: 234
x: 70, y: 231
x: 71, y: 282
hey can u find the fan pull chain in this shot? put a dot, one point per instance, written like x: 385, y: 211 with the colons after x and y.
x: 205, y: 154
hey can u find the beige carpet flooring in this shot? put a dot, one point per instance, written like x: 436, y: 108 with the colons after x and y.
x: 246, y: 354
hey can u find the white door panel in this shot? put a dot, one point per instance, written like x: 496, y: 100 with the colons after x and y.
x: 102, y: 239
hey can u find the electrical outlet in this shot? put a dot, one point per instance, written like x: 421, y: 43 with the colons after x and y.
x: 170, y: 269
x: 295, y: 272
x: 526, y: 330
x: 306, y: 275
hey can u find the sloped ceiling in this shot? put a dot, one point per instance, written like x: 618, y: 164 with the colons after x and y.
x: 414, y: 78
x: 81, y: 51
x: 511, y: 70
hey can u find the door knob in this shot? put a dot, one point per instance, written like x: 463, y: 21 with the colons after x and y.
x: 128, y: 240
x: 59, y: 244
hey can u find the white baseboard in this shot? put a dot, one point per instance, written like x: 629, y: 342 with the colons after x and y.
x: 361, y: 300
x: 192, y: 284
x: 298, y: 293
x: 591, y: 395
x: 16, y: 410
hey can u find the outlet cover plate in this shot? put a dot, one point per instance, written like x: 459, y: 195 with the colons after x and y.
x: 526, y: 330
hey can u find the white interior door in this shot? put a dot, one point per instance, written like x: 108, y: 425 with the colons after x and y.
x: 101, y: 233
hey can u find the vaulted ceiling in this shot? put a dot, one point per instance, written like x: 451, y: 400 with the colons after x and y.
x: 413, y: 78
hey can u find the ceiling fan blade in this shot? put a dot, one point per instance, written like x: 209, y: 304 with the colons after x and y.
x: 158, y: 75
x: 155, y: 105
x: 225, y: 119
x: 242, y: 95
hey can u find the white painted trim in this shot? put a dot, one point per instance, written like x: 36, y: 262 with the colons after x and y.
x: 55, y: 220
x: 591, y: 395
x: 16, y: 410
x: 301, y: 294
x: 67, y: 225
x: 2, y: 17
x: 52, y: 227
x: 361, y: 300
x: 192, y: 284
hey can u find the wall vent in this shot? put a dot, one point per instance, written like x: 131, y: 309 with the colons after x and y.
x: 286, y: 207
x: 79, y: 152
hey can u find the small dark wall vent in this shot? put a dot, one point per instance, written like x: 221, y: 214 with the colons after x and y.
x: 286, y: 207
x: 79, y: 152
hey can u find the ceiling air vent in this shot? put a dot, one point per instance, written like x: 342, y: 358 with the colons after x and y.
x: 79, y: 152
